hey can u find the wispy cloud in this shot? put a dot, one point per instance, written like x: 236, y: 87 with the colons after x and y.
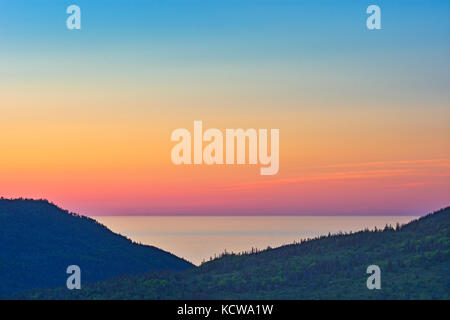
x: 353, y: 171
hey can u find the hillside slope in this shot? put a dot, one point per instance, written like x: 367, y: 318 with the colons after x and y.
x: 414, y: 261
x: 38, y: 241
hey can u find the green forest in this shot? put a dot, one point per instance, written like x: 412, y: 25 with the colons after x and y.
x: 38, y: 241
x: 414, y: 261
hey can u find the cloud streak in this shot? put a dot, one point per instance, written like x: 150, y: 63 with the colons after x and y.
x: 374, y: 170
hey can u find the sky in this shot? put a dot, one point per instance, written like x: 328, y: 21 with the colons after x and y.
x: 363, y: 114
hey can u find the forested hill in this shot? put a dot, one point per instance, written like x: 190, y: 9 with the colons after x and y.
x: 414, y: 261
x: 38, y: 241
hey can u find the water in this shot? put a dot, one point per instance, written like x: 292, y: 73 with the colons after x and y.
x: 199, y: 238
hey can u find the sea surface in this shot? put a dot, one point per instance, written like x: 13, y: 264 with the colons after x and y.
x: 199, y: 238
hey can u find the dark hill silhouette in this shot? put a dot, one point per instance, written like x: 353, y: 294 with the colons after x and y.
x: 414, y: 261
x: 38, y: 241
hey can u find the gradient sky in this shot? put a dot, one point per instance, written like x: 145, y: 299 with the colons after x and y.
x: 364, y: 116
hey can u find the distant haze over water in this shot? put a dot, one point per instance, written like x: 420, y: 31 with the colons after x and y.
x: 199, y: 238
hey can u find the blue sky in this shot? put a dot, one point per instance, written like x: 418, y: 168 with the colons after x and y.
x: 106, y: 97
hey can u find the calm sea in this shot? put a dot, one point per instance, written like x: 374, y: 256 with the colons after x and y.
x: 198, y: 238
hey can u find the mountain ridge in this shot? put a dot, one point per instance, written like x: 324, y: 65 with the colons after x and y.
x: 414, y: 259
x: 39, y: 240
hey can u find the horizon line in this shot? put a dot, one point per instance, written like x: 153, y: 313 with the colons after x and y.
x: 258, y: 215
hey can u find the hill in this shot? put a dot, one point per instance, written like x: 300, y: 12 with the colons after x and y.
x: 38, y: 241
x: 414, y: 261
